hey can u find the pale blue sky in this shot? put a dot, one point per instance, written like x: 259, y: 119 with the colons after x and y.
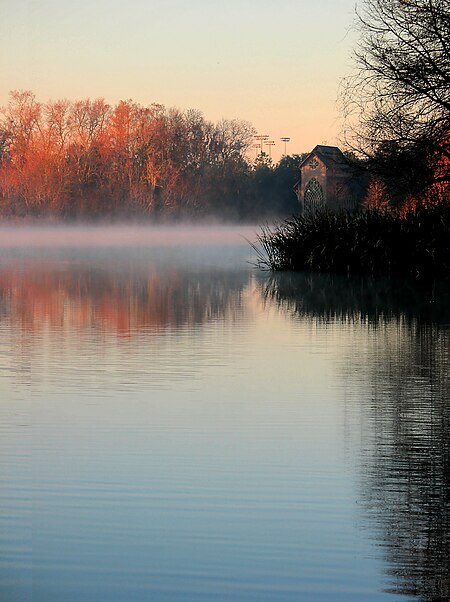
x: 277, y: 65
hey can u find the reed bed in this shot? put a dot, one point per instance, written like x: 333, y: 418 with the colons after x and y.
x: 416, y: 243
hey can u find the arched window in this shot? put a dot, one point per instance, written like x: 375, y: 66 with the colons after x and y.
x: 314, y: 198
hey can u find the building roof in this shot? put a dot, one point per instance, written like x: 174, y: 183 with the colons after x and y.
x: 330, y: 155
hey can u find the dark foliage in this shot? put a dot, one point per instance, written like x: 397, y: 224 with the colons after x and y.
x: 416, y: 243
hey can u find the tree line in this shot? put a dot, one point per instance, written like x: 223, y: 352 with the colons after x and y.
x: 89, y: 159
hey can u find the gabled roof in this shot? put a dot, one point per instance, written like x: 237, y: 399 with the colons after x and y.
x: 330, y: 155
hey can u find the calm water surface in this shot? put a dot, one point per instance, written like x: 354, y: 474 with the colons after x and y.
x: 177, y: 426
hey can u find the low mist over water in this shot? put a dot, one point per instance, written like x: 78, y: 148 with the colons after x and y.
x: 179, y: 426
x: 129, y: 235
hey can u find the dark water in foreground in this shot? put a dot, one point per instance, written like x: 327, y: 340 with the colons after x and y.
x: 177, y: 426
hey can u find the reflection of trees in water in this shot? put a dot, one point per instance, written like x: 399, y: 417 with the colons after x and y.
x: 116, y: 299
x: 405, y: 460
x: 406, y: 474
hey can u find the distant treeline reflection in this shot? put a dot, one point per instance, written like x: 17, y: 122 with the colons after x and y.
x: 116, y: 299
x: 334, y: 296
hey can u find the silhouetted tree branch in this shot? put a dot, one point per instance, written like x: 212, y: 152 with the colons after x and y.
x: 400, y: 92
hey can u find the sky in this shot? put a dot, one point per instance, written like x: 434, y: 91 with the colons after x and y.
x: 275, y: 64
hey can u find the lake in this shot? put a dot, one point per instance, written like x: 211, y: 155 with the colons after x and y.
x: 176, y: 425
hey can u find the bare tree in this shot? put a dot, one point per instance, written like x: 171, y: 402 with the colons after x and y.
x: 234, y: 137
x: 21, y: 120
x: 400, y: 91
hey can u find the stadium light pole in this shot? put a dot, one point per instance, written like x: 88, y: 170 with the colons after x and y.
x: 262, y: 138
x: 285, y: 139
x: 270, y: 143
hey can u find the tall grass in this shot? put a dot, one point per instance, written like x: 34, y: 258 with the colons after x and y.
x: 416, y: 243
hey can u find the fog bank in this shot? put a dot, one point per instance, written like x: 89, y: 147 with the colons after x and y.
x: 125, y: 235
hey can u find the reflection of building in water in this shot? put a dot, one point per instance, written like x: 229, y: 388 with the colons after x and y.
x: 403, y: 416
x: 328, y: 179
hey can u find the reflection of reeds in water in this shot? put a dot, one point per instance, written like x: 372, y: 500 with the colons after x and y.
x: 334, y: 296
x: 405, y: 456
x: 116, y: 300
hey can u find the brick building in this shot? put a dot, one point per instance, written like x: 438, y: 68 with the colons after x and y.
x: 328, y: 179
